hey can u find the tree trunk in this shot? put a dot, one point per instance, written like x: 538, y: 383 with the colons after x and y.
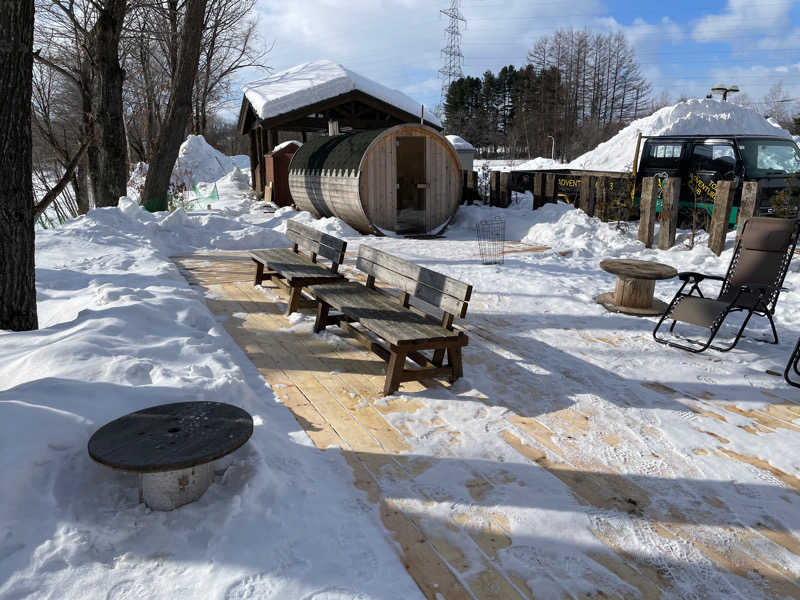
x: 17, y: 272
x: 80, y: 187
x: 112, y: 177
x: 179, y: 110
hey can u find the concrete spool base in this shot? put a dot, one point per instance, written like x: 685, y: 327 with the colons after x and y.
x: 168, y: 490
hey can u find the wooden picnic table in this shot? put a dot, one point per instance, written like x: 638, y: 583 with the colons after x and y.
x: 172, y: 447
x: 636, y: 280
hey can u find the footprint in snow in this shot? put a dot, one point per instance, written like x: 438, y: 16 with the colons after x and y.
x: 263, y: 585
x: 336, y: 593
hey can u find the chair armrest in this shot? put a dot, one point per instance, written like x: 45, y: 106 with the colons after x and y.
x: 698, y: 277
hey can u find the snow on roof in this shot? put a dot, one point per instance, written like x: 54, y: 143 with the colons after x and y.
x: 309, y: 83
x: 459, y: 143
x: 698, y: 116
x: 283, y: 145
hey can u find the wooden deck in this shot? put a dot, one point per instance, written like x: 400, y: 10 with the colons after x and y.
x: 333, y: 388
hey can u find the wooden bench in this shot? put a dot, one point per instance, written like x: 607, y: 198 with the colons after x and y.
x: 390, y: 326
x: 292, y: 269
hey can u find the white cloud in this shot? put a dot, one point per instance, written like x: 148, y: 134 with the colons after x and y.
x: 642, y: 34
x: 756, y: 81
x: 743, y: 18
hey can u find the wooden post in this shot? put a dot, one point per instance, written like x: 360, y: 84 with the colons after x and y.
x: 253, y: 157
x: 723, y: 202
x: 748, y: 207
x: 601, y: 197
x: 669, y: 213
x: 505, y: 189
x: 550, y: 188
x: 538, y: 190
x: 494, y: 188
x: 472, y: 188
x: 647, y: 211
x: 584, y: 197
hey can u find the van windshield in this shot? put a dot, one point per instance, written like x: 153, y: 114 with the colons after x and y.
x: 763, y: 158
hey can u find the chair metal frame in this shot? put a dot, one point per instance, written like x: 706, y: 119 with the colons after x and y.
x: 793, y: 364
x: 763, y: 305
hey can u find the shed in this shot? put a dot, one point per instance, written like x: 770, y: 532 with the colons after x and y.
x: 405, y: 179
x: 318, y: 97
x: 278, y: 171
x: 465, y: 151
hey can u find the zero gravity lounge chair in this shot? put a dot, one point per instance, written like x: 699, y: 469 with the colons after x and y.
x: 752, y: 284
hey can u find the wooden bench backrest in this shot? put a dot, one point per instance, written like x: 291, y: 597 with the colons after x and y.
x: 315, y: 242
x: 451, y: 295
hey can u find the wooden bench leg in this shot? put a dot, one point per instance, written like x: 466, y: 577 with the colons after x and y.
x: 438, y: 357
x: 294, y: 300
x: 455, y: 363
x: 322, y: 316
x: 259, y: 273
x: 394, y: 370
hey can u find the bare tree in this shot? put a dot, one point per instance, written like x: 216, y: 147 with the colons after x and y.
x: 179, y: 110
x: 17, y: 268
x: 228, y: 46
x: 81, y: 39
x: 778, y: 105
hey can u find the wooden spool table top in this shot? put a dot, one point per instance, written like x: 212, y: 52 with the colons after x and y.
x: 169, y: 437
x: 638, y: 269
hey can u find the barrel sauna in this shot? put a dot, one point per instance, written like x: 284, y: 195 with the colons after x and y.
x: 405, y: 179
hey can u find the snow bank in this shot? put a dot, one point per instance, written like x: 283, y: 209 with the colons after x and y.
x: 565, y: 228
x: 539, y: 163
x: 696, y: 116
x: 198, y: 161
x: 330, y: 225
x: 313, y: 82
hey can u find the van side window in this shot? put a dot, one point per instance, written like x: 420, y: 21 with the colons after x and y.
x: 713, y: 157
x: 665, y: 150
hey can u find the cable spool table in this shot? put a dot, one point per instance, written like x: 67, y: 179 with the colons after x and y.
x: 635, y: 286
x: 172, y: 447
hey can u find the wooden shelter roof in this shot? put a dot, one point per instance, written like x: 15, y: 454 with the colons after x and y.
x: 306, y: 97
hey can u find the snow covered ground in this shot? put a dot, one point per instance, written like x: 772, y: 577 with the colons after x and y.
x: 553, y: 385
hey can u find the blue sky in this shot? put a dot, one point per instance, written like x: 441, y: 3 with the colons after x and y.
x: 683, y: 46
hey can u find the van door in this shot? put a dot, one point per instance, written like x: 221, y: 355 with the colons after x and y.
x: 711, y: 161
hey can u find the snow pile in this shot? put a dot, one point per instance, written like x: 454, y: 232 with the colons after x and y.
x: 519, y: 217
x: 198, y: 161
x: 314, y: 82
x: 696, y: 116
x: 330, y: 225
x: 565, y: 228
x: 539, y: 163
x: 459, y: 143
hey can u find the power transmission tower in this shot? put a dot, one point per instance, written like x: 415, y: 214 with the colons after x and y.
x: 452, y: 58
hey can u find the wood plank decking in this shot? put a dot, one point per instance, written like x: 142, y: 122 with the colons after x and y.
x: 333, y: 388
